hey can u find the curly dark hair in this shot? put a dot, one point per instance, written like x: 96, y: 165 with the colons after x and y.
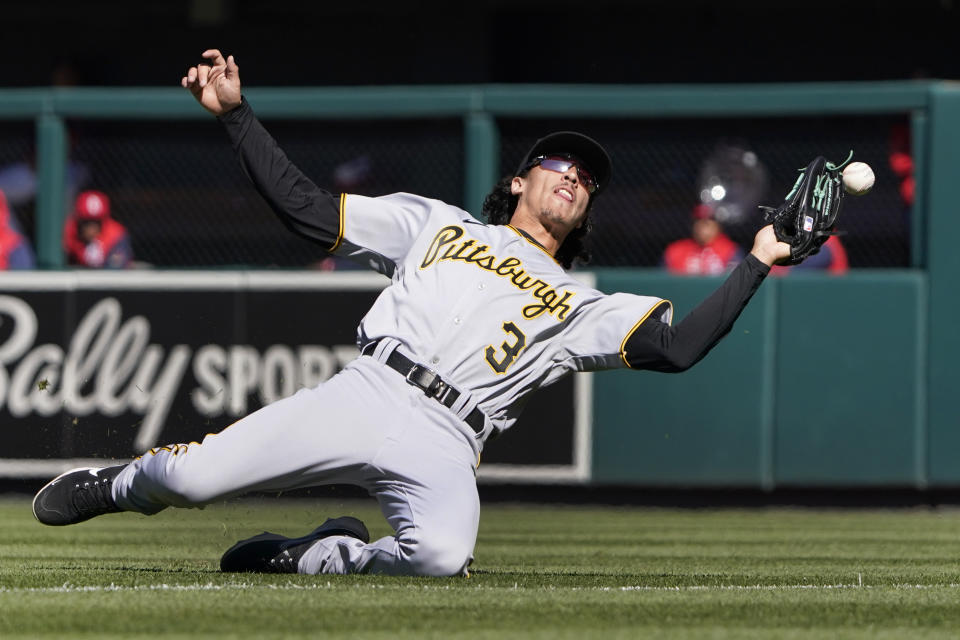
x: 498, y: 208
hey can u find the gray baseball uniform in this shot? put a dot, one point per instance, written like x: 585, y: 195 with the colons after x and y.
x: 486, y: 308
x: 475, y: 319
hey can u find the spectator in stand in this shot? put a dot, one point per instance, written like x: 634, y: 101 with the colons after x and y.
x: 15, y: 251
x: 92, y: 238
x: 832, y: 258
x: 708, y: 251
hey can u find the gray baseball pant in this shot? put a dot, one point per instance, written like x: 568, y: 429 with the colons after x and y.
x: 365, y: 426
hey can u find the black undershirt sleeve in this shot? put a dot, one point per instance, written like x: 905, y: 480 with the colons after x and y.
x: 657, y: 346
x: 302, y: 206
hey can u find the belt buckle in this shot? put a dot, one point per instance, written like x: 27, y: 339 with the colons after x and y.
x: 426, y: 379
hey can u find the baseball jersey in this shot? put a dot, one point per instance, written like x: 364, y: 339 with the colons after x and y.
x: 483, y: 305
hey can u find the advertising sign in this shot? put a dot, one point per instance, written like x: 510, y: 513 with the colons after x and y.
x: 100, y: 365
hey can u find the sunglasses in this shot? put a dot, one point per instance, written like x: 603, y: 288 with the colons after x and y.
x: 562, y: 164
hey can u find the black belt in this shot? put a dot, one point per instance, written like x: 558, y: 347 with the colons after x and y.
x: 429, y: 381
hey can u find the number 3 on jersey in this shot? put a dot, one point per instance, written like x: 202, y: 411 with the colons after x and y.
x: 510, y: 351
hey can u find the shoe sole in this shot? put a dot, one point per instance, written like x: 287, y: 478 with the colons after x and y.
x: 33, y: 505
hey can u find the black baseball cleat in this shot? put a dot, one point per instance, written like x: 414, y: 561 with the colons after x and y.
x: 77, y: 495
x: 273, y: 553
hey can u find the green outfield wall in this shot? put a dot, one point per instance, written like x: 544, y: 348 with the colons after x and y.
x: 823, y: 382
x: 820, y: 383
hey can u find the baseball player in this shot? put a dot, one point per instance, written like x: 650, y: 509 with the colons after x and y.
x: 476, y: 318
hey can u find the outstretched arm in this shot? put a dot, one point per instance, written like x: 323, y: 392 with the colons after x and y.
x: 300, y: 204
x: 657, y: 346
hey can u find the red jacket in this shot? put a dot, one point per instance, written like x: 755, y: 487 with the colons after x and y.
x: 109, y: 249
x: 688, y: 257
x: 15, y: 253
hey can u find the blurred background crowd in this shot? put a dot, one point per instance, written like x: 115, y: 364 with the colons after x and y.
x: 685, y: 194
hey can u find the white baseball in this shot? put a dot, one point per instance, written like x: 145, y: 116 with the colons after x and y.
x: 857, y: 178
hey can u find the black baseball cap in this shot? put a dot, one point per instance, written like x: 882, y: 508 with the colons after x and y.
x: 584, y: 148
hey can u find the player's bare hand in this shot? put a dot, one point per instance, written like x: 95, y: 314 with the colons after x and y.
x: 216, y: 86
x: 767, y: 249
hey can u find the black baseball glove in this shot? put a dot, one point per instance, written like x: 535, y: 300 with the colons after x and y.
x: 808, y: 215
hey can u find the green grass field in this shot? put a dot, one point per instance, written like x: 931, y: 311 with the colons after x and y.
x: 540, y: 572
